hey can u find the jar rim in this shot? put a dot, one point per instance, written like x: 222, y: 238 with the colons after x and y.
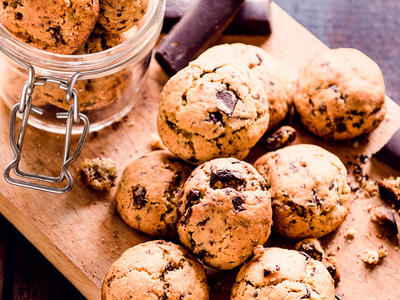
x: 122, y: 53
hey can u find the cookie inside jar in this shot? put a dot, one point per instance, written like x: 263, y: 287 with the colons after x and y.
x: 112, y: 68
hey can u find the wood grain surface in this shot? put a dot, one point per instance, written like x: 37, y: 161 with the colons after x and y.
x: 81, y: 234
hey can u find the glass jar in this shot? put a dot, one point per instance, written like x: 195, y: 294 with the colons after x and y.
x: 108, y: 84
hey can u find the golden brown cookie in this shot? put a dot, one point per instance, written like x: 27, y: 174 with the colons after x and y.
x: 59, y: 26
x: 276, y: 273
x: 99, y: 173
x: 340, y: 94
x: 155, y: 270
x: 147, y: 193
x: 97, y: 93
x: 206, y: 113
x: 225, y: 211
x: 309, y: 190
x: 270, y: 71
x: 121, y: 15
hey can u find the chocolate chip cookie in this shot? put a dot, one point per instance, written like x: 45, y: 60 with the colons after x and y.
x: 271, y: 72
x: 155, y: 270
x: 309, y: 190
x: 225, y: 211
x: 99, y: 173
x: 97, y: 93
x: 340, y: 94
x: 276, y: 273
x: 61, y: 26
x: 206, y: 113
x: 121, y: 15
x: 147, y: 193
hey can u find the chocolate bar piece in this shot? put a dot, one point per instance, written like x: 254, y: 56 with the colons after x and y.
x: 252, y: 19
x: 201, y: 25
x: 390, y: 153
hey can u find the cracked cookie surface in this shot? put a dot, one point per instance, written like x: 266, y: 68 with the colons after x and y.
x: 155, y: 270
x: 121, y: 15
x: 309, y: 190
x: 276, y: 273
x: 225, y: 210
x: 269, y: 70
x: 208, y: 113
x: 59, y: 26
x: 340, y: 94
x: 148, y: 190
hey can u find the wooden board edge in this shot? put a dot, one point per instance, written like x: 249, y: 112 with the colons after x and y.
x: 57, y: 258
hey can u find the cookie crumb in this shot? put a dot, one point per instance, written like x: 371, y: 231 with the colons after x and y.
x: 384, y: 216
x: 373, y: 257
x: 312, y: 247
x: 280, y: 138
x: 99, y: 173
x: 350, y: 234
x: 331, y: 265
x: 156, y: 143
x: 389, y: 189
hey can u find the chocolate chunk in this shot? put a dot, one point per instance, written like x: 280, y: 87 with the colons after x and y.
x: 192, y: 198
x: 225, y: 178
x: 337, y: 297
x: 201, y: 25
x: 237, y: 204
x: 252, y: 19
x: 390, y: 153
x: 226, y: 101
x: 138, y: 196
x: 216, y: 117
x: 280, y: 138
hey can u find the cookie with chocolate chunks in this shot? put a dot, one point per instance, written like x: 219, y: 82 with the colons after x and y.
x: 205, y: 113
x: 309, y: 190
x: 225, y: 210
x: 59, y: 27
x: 155, y: 270
x: 148, y: 204
x: 340, y: 94
x: 276, y: 273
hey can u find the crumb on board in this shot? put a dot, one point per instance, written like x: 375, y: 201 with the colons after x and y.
x: 373, y: 257
x: 350, y: 234
x: 312, y: 247
x: 156, y: 143
x: 385, y: 216
x: 331, y: 265
x: 389, y: 189
x: 98, y: 173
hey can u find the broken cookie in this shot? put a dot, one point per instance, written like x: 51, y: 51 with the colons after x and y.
x: 99, y: 173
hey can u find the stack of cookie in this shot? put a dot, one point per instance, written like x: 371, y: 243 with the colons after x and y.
x: 74, y: 27
x: 211, y: 114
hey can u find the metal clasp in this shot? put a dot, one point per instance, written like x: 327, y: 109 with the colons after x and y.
x: 73, y: 116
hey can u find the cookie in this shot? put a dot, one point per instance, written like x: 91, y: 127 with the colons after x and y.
x: 340, y: 94
x: 269, y: 70
x: 60, y: 26
x: 309, y: 190
x: 100, y: 40
x: 155, y: 270
x: 147, y: 193
x: 225, y: 211
x: 276, y: 273
x: 99, y: 173
x: 208, y: 113
x: 280, y: 138
x: 97, y: 93
x: 121, y: 15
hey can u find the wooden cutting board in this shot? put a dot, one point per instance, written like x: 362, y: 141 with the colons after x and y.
x: 81, y: 233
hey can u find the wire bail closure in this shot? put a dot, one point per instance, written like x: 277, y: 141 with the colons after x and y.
x: 73, y: 116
